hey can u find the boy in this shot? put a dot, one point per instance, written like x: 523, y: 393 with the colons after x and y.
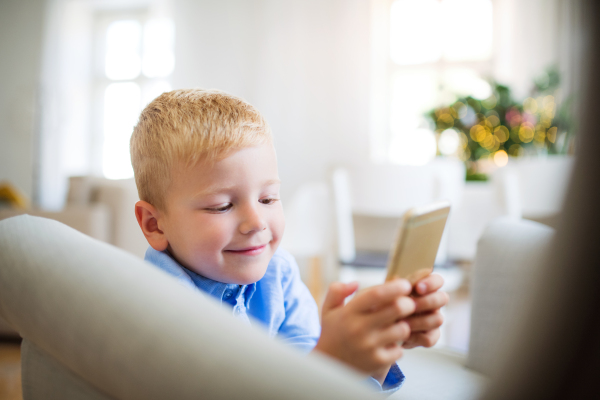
x: 206, y: 173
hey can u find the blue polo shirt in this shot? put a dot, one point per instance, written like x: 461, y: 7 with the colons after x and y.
x: 279, y: 301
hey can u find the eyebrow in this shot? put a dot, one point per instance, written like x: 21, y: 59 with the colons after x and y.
x: 216, y: 189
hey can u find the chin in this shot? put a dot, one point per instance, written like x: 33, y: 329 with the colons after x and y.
x: 250, y: 277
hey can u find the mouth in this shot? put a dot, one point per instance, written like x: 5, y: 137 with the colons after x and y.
x: 248, y: 251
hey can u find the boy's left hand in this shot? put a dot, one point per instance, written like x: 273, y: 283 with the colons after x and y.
x: 426, y: 321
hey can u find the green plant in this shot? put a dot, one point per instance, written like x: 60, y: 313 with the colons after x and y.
x: 499, y: 126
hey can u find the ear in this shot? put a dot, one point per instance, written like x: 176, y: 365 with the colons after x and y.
x: 148, y: 216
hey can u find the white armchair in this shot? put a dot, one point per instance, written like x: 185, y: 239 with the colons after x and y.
x: 100, y: 323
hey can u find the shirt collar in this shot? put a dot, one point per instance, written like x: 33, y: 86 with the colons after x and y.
x: 215, y: 288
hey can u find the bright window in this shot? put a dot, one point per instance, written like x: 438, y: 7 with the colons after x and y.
x: 137, y: 59
x: 426, y: 52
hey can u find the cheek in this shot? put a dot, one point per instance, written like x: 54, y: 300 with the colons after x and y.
x: 278, y: 225
x: 201, y: 233
x: 215, y: 232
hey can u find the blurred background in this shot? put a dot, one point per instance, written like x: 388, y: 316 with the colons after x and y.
x: 376, y: 106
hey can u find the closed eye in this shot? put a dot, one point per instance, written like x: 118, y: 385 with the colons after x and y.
x: 268, y: 201
x: 220, y: 209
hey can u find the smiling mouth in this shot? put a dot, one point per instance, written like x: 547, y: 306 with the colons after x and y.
x: 249, y: 251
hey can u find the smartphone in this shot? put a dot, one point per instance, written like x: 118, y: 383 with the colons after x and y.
x: 413, y: 252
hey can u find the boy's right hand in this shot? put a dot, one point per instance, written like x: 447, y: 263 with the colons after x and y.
x: 365, y: 332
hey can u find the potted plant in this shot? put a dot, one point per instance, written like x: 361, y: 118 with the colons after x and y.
x: 494, y: 129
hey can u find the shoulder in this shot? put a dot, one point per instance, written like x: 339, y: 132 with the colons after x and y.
x: 163, y: 261
x: 282, y: 267
x: 283, y: 260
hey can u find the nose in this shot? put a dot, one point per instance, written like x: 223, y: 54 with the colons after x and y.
x: 252, y: 221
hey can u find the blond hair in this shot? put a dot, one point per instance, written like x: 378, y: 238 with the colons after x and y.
x: 189, y: 126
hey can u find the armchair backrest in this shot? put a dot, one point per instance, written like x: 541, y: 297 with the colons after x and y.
x: 509, y: 263
x: 112, y: 326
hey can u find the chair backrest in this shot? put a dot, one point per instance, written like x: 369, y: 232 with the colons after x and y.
x: 340, y: 182
x: 389, y: 191
x: 509, y: 262
x: 99, y: 322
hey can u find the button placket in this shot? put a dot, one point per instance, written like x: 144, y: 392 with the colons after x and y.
x: 239, y: 306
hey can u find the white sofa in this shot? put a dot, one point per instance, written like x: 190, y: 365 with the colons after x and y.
x: 100, y: 323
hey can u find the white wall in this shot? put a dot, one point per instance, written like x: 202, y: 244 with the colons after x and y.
x: 303, y: 64
x: 21, y: 30
x: 526, y: 41
x: 64, y: 123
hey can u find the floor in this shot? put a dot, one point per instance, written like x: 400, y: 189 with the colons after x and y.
x: 10, y: 370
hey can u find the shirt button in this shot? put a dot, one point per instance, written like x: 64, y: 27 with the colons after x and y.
x: 228, y: 294
x: 236, y: 311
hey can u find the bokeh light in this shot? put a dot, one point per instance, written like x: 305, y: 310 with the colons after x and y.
x: 515, y: 150
x: 478, y: 133
x: 500, y: 158
x: 526, y: 133
x: 448, y: 142
x: 502, y: 133
x: 461, y: 109
x: 493, y: 120
x: 530, y: 105
x: 551, y: 134
x: 490, y: 102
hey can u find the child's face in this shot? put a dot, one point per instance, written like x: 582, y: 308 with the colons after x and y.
x: 225, y: 221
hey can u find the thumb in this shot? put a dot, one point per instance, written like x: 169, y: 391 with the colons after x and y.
x: 337, y: 293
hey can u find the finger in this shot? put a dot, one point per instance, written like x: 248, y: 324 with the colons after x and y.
x: 425, y: 339
x: 389, y: 355
x: 399, y: 308
x: 430, y: 302
x: 425, y: 322
x: 337, y: 293
x: 378, y: 296
x: 429, y: 284
x: 398, y: 332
